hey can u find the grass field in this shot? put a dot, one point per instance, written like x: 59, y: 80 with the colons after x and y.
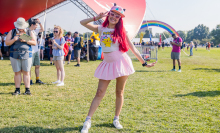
x: 156, y: 100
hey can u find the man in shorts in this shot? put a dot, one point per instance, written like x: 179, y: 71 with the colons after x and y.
x: 77, y: 48
x: 33, y: 23
x: 175, y: 54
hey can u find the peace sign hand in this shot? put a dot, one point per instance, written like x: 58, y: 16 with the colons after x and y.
x: 101, y: 15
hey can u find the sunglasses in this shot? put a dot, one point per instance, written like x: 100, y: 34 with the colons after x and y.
x: 116, y: 16
x: 55, y: 31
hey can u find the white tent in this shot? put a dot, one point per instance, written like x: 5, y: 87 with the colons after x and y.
x: 168, y: 40
x: 137, y: 40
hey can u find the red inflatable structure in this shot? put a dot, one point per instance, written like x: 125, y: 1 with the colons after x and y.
x: 12, y: 9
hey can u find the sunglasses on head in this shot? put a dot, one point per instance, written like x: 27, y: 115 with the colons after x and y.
x: 113, y: 14
x: 55, y: 31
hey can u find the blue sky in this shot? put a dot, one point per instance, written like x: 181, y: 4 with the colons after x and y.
x: 180, y: 14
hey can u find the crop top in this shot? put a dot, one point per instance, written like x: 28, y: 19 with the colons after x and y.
x: 106, y: 39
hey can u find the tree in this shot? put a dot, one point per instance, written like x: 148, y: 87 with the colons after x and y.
x: 157, y: 35
x: 201, y: 32
x: 197, y: 41
x: 147, y: 34
x: 167, y: 34
x: 216, y: 35
x: 190, y: 36
x: 85, y: 35
x: 138, y: 35
x: 182, y: 34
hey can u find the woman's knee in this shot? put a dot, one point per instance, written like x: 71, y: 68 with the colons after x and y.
x: 100, y: 93
x: 119, y: 93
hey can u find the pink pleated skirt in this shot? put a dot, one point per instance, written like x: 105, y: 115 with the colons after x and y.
x: 115, y: 64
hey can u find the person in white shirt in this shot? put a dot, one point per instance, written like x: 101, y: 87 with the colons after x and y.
x: 41, y: 45
x: 33, y: 23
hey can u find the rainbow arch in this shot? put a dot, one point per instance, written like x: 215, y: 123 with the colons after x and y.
x: 160, y: 24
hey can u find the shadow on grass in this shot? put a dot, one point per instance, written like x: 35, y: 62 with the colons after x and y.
x: 105, y: 125
x: 10, y: 93
x: 208, y: 69
x: 6, y: 84
x: 150, y: 71
x: 45, y: 64
x: 25, y: 129
x: 201, y: 94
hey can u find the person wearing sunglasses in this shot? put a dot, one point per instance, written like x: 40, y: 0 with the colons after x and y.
x: 58, y: 54
x: 116, y: 64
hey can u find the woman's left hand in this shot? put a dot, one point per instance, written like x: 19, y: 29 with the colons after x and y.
x: 22, y: 40
x: 151, y: 64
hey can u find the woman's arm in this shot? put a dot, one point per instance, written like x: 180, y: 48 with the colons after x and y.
x: 10, y: 41
x: 86, y: 22
x: 59, y: 46
x: 33, y: 40
x: 137, y: 53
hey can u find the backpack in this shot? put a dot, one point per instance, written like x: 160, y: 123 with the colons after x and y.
x: 81, y: 42
x: 65, y: 48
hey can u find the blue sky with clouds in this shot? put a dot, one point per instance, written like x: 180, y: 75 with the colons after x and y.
x: 180, y: 14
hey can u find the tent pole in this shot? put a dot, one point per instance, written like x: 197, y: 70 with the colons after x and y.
x: 87, y: 40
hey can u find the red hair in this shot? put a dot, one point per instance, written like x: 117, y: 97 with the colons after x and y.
x: 118, y: 34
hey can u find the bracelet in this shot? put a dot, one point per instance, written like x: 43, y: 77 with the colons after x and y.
x: 94, y: 19
x: 144, y: 64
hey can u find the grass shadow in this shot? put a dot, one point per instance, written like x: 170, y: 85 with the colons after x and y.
x: 45, y: 64
x: 150, y: 71
x: 207, y: 69
x: 25, y: 129
x: 201, y: 94
x: 105, y: 125
x: 10, y: 93
x: 6, y: 84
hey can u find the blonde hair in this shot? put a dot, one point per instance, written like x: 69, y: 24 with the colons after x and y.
x: 60, y: 30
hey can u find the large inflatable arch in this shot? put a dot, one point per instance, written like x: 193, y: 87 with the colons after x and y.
x: 160, y: 24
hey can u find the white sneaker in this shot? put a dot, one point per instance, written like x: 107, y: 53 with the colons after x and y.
x: 1, y: 58
x: 117, y: 124
x: 60, y: 84
x: 86, y: 127
x: 179, y: 70
x: 56, y: 82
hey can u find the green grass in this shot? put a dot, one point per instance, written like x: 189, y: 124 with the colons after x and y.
x: 156, y: 100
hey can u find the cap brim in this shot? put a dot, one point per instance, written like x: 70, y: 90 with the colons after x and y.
x: 122, y: 15
x: 21, y: 27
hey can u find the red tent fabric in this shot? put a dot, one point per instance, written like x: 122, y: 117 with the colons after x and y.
x: 134, y: 14
x: 10, y: 10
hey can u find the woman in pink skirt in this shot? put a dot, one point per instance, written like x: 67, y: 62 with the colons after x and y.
x: 116, y: 64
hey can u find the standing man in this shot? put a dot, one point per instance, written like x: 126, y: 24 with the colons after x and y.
x: 33, y: 23
x: 77, y: 48
x: 175, y: 54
